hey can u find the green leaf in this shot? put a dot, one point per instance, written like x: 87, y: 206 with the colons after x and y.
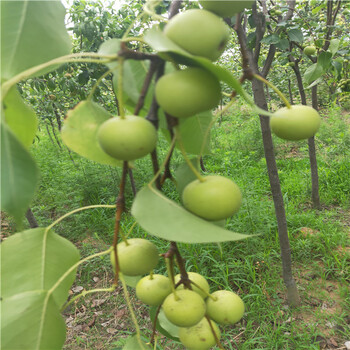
x: 283, y: 44
x: 80, y: 129
x: 131, y: 281
x: 110, y: 47
x: 133, y: 343
x: 32, y: 32
x: 20, y: 118
x: 270, y: 39
x: 324, y: 59
x: 19, y: 175
x: 193, y: 130
x: 134, y: 73
x: 296, y: 35
x: 34, y: 260
x: 334, y: 46
x: 164, y: 218
x: 184, y: 175
x: 168, y: 326
x: 313, y: 72
x: 172, y: 328
x: 31, y: 320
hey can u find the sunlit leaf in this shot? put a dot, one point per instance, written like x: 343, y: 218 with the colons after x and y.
x: 19, y: 175
x: 32, y: 32
x: 20, y: 118
x: 164, y: 218
x: 324, y: 59
x: 334, y: 46
x: 313, y: 72
x: 80, y: 129
x: 31, y: 320
x: 34, y: 260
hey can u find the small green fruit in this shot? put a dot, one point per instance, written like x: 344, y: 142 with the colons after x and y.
x: 227, y: 309
x: 137, y: 257
x: 185, y: 93
x: 153, y: 289
x: 226, y: 8
x: 291, y: 64
x: 185, y: 308
x: 127, y: 138
x: 199, y: 32
x: 296, y: 123
x: 200, y: 336
x: 309, y: 50
x: 197, y: 279
x: 215, y: 198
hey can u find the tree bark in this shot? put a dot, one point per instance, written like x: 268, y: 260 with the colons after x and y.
x: 286, y: 257
x: 31, y: 219
x: 315, y: 193
x: 260, y: 101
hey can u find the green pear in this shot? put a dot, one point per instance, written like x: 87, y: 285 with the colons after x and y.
x: 199, y: 336
x: 187, y: 92
x: 199, y: 280
x: 136, y: 256
x: 184, y: 308
x: 296, y: 123
x: 153, y: 289
x: 214, y: 198
x: 309, y: 50
x: 127, y: 138
x: 199, y: 32
x: 226, y: 8
x: 228, y: 308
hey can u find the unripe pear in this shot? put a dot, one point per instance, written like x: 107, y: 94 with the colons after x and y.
x: 199, y: 336
x: 296, y: 123
x: 309, y: 50
x: 226, y: 8
x: 197, y: 279
x: 199, y: 32
x: 127, y: 138
x: 136, y: 257
x: 228, y: 308
x: 184, y: 308
x: 215, y: 198
x: 187, y: 92
x: 153, y: 289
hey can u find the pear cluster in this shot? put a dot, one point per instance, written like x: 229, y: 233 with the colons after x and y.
x: 185, y: 301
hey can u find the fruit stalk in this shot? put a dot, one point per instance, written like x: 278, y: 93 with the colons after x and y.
x: 269, y: 84
x: 214, y: 334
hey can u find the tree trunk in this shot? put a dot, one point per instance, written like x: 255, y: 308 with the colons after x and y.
x: 292, y: 291
x: 315, y: 194
x: 31, y: 219
x: 315, y: 197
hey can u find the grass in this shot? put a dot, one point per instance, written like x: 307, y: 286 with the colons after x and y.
x: 252, y: 268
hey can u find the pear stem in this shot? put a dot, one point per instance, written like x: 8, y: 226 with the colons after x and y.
x: 170, y: 270
x: 274, y: 88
